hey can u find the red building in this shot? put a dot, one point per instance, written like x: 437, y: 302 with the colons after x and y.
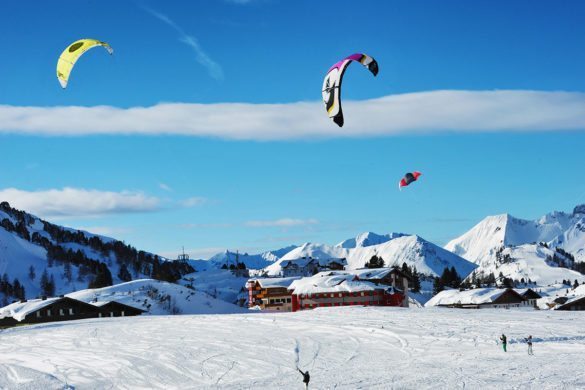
x: 364, y: 287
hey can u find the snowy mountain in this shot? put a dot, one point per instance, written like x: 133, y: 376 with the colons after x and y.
x: 158, y: 298
x: 36, y: 254
x: 258, y: 261
x: 395, y: 249
x: 368, y: 239
x: 526, y: 249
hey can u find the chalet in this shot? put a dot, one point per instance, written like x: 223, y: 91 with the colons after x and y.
x: 530, y: 296
x: 270, y: 293
x: 116, y: 309
x: 308, y: 266
x: 479, y: 298
x: 575, y: 303
x: 365, y: 287
x: 62, y: 308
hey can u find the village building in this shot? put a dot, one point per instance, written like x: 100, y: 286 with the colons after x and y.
x: 270, y: 293
x: 530, y: 296
x: 573, y: 304
x: 308, y: 266
x: 479, y: 298
x: 366, y: 287
x: 62, y: 308
x: 116, y: 309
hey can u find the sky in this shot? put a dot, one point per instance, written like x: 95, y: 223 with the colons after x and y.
x: 206, y: 129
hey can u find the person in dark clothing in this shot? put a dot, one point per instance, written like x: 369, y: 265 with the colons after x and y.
x: 504, y: 341
x: 529, y: 342
x: 306, y: 377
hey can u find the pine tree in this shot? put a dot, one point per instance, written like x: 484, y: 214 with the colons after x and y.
x: 67, y: 271
x: 31, y: 272
x: 124, y: 274
x: 45, y: 283
x: 576, y: 284
x: 415, y: 280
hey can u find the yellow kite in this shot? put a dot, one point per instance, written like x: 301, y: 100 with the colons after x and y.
x: 70, y: 56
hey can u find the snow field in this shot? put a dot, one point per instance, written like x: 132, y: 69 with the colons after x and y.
x: 345, y: 348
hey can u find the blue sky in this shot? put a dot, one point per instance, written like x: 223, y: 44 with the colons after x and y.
x: 510, y: 139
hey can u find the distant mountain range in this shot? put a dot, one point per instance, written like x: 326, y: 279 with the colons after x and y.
x: 546, y: 250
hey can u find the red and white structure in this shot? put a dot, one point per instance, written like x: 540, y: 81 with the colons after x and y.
x: 364, y: 287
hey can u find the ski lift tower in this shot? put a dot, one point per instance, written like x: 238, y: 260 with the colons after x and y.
x: 183, y: 256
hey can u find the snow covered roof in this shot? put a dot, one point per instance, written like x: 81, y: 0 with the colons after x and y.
x: 332, y: 281
x: 19, y: 310
x: 527, y: 291
x: 476, y: 296
x: 275, y: 282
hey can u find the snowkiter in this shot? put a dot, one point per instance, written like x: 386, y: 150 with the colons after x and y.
x: 306, y: 377
x: 529, y: 342
x: 504, y: 341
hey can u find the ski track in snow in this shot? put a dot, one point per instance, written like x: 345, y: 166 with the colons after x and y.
x: 342, y: 348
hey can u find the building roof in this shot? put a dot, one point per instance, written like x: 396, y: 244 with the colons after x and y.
x: 105, y: 303
x: 332, y: 281
x: 275, y: 282
x: 19, y: 310
x: 528, y: 293
x: 570, y: 301
x: 476, y: 296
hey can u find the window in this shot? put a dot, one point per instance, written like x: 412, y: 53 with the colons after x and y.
x: 122, y: 314
x: 39, y: 314
x: 362, y: 294
x: 49, y: 312
x: 61, y: 312
x: 111, y: 314
x: 71, y: 311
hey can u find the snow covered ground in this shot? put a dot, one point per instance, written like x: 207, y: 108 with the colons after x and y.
x: 345, y: 348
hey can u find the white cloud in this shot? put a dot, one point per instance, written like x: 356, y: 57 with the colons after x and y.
x: 283, y: 222
x: 76, y: 202
x: 165, y: 187
x: 193, y: 201
x: 413, y: 113
x: 202, y: 57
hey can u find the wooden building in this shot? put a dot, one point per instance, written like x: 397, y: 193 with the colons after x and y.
x: 116, y: 309
x: 270, y: 293
x: 479, y: 298
x: 573, y: 304
x: 53, y: 309
x: 530, y: 296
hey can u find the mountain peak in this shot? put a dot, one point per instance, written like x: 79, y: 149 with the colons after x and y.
x: 579, y: 209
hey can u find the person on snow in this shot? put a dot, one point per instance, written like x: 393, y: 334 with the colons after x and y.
x: 529, y: 342
x: 504, y: 341
x: 306, y: 377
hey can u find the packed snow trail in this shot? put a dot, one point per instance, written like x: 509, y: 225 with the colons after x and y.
x: 343, y: 348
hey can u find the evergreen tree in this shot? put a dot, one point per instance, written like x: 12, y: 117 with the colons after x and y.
x: 51, y: 289
x: 31, y: 273
x: 67, y: 271
x: 576, y: 284
x: 45, y: 283
x: 415, y: 280
x: 124, y: 274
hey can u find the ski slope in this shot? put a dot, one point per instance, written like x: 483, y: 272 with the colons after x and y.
x: 343, y: 348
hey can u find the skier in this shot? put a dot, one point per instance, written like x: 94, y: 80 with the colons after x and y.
x: 306, y: 377
x: 504, y: 341
x: 529, y: 342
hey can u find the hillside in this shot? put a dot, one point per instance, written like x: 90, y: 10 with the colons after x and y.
x: 158, y: 298
x: 546, y: 250
x: 44, y: 258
